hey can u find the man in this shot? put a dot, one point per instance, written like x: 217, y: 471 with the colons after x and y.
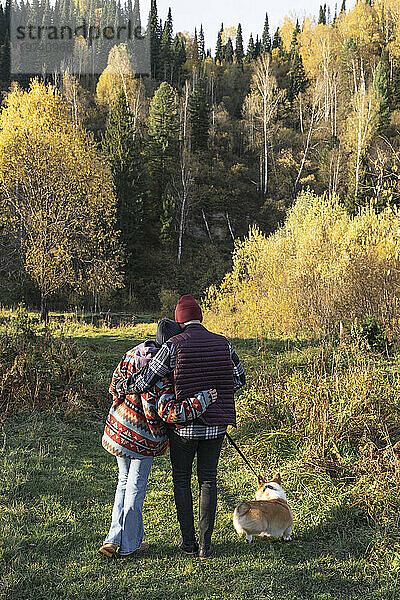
x: 198, y: 359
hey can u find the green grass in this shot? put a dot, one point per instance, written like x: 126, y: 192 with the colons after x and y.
x: 56, y: 494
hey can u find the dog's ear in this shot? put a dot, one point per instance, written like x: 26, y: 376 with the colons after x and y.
x: 261, y: 480
x: 277, y: 479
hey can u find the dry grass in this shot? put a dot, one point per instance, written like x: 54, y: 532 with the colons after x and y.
x: 339, y: 415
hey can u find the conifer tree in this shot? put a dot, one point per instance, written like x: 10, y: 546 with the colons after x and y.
x: 257, y: 47
x: 199, y: 115
x: 136, y: 14
x: 297, y: 76
x: 277, y: 41
x: 169, y: 25
x: 178, y: 54
x: 395, y: 89
x: 266, y: 37
x: 195, y: 48
x: 154, y: 40
x: 162, y: 149
x: 229, y: 51
x: 124, y: 158
x: 165, y: 48
x: 335, y: 15
x: 202, y: 47
x: 239, y: 45
x: 296, y: 32
x: 343, y: 8
x: 322, y: 15
x: 250, y: 55
x: 220, y: 51
x: 130, y: 14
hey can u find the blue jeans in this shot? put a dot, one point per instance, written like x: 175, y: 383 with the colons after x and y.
x: 126, y: 529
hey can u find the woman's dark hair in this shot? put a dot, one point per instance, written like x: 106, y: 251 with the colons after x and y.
x: 166, y: 329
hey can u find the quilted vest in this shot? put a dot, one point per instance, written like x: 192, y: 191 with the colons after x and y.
x: 203, y: 362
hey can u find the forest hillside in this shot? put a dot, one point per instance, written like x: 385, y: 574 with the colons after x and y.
x: 187, y: 158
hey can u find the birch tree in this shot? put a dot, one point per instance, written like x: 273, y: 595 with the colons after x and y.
x: 260, y: 110
x: 119, y: 77
x: 316, y: 116
x: 320, y: 50
x: 361, y: 126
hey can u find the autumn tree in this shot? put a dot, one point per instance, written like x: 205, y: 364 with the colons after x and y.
x: 320, y: 50
x: 56, y: 195
x: 117, y: 76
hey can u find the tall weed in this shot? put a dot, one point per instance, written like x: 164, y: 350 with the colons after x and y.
x: 37, y: 371
x: 339, y: 416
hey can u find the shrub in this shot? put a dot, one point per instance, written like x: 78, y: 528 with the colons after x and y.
x: 37, y: 371
x: 168, y: 301
x: 322, y: 267
x: 372, y: 333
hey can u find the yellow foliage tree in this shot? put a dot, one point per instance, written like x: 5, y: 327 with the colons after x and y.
x: 118, y: 75
x: 229, y: 33
x: 56, y: 196
x: 361, y: 125
x: 362, y: 25
x: 322, y: 267
x: 286, y: 31
x: 260, y: 108
x: 320, y: 49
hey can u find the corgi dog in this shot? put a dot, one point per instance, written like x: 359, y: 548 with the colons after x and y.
x: 268, y: 515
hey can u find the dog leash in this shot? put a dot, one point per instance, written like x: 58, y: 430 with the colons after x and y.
x: 238, y: 450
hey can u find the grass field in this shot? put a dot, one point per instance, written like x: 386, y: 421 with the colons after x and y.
x: 57, y: 487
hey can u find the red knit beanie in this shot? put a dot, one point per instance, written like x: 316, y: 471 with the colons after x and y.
x: 187, y: 309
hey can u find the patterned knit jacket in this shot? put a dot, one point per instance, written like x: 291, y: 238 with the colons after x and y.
x: 135, y: 424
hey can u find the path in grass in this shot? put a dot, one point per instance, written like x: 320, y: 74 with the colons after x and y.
x: 57, y: 487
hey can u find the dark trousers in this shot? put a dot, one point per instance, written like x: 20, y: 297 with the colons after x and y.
x: 182, y: 452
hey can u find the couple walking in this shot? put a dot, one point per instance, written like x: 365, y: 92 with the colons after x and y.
x: 177, y: 392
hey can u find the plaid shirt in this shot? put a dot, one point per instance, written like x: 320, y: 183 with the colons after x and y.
x: 164, y: 363
x: 201, y: 432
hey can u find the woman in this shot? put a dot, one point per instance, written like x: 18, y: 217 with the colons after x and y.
x: 135, y: 433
